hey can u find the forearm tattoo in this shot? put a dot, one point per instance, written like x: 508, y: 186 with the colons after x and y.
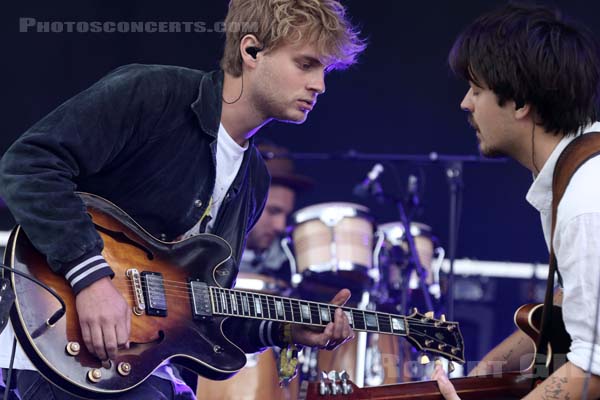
x: 554, y: 389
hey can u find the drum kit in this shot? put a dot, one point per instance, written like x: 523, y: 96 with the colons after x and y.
x: 331, y: 246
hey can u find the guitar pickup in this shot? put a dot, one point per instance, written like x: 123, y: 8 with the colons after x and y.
x: 201, y: 304
x: 154, y: 293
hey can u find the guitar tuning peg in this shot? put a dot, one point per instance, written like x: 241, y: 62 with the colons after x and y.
x: 333, y: 375
x: 424, y: 360
x: 429, y: 314
x: 451, y: 367
x: 344, y: 375
x: 443, y: 317
x: 415, y: 310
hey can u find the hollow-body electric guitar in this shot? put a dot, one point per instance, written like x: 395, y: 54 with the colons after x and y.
x: 180, y: 310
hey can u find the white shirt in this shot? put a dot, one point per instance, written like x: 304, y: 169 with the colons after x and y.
x: 229, y: 160
x: 576, y: 246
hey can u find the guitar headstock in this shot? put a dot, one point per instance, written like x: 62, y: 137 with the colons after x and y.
x: 437, y: 336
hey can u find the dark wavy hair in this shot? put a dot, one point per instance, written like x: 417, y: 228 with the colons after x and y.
x: 530, y: 54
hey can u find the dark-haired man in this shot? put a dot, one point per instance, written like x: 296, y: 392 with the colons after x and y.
x: 534, y: 87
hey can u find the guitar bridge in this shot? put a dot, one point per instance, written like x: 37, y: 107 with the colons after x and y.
x: 136, y: 281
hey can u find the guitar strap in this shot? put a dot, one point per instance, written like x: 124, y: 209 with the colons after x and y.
x: 573, y: 156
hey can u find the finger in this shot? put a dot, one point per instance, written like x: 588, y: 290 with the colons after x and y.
x: 110, y: 341
x: 122, y: 335
x: 324, y: 339
x: 341, y: 297
x: 338, y: 326
x: 87, y: 338
x: 98, y: 342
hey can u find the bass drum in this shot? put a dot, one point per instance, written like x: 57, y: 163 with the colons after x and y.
x: 332, y: 249
x: 259, y: 379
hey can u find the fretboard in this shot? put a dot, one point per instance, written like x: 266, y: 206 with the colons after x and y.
x: 239, y: 303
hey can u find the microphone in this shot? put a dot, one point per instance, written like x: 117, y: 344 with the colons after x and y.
x: 369, y: 186
x: 412, y: 190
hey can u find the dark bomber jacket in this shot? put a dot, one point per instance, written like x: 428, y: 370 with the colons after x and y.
x: 145, y: 138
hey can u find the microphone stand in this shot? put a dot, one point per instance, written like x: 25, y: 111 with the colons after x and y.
x: 455, y: 186
x: 414, y: 264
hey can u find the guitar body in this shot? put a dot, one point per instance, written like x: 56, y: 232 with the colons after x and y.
x: 200, y: 345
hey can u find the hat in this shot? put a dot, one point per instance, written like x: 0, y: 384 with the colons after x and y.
x: 281, y: 168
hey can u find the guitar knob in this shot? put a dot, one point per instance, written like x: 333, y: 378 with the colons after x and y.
x: 73, y: 348
x: 94, y: 375
x: 443, y: 317
x: 124, y: 368
x: 424, y: 360
x: 429, y: 314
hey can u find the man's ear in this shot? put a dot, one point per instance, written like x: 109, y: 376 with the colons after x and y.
x: 522, y: 110
x: 249, y: 49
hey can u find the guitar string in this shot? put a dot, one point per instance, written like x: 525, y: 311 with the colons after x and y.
x: 359, y: 313
x: 268, y: 317
x: 293, y: 319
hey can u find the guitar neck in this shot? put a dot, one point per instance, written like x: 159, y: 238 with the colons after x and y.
x: 237, y: 303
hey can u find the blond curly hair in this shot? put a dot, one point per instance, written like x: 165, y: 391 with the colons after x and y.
x: 278, y: 22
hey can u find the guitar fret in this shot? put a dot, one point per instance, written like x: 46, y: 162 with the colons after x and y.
x: 234, y: 307
x: 265, y: 305
x: 279, y: 308
x: 272, y: 308
x: 251, y: 304
x: 398, y: 324
x: 288, y: 310
x: 296, y: 311
x: 314, y: 313
x: 245, y: 304
x: 359, y: 319
x: 383, y: 322
x: 371, y: 321
x: 215, y: 303
x: 324, y: 314
x: 238, y: 303
x: 349, y: 316
x: 331, y: 313
x: 258, y: 305
x: 223, y: 302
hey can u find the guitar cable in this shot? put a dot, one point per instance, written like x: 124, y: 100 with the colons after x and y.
x: 51, y: 321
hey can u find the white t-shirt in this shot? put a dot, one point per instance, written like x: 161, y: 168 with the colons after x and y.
x: 229, y: 160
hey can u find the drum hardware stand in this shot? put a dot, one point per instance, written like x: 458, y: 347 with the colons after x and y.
x: 296, y: 278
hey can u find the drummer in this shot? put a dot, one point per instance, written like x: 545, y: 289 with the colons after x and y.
x: 263, y: 254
